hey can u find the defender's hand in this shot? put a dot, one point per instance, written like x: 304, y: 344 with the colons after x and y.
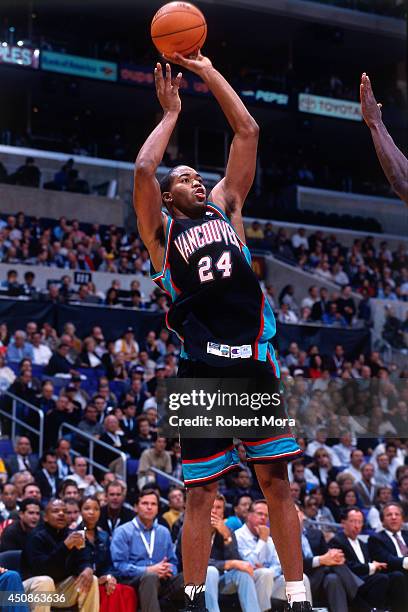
x: 195, y: 63
x: 167, y: 91
x: 370, y: 109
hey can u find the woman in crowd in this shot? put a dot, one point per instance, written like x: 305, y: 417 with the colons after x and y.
x: 333, y: 500
x: 114, y: 597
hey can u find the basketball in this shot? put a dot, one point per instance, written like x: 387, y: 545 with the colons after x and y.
x: 178, y: 27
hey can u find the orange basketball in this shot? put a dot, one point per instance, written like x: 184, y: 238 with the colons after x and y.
x: 178, y: 27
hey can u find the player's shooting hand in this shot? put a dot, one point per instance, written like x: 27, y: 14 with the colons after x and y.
x: 166, y: 89
x: 370, y: 109
x: 195, y: 63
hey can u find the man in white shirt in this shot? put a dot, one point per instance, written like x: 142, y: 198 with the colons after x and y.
x: 312, y: 298
x: 378, y: 583
x: 255, y: 546
x: 365, y: 486
x: 344, y: 448
x: 390, y: 546
x: 42, y: 353
x: 383, y: 474
x: 356, y: 462
x: 86, y: 482
x: 299, y: 239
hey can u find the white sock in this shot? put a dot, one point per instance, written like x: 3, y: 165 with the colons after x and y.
x: 191, y: 590
x: 295, y: 591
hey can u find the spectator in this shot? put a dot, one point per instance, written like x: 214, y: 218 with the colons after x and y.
x: 241, y: 509
x: 364, y: 487
x: 7, y: 376
x: 255, y: 231
x: 243, y: 486
x: 176, y: 506
x: 19, y: 349
x: 31, y: 490
x: 383, y: 474
x: 28, y: 286
x: 356, y: 462
x: 328, y: 575
x: 89, y: 423
x: 114, y: 437
x: 8, y: 504
x: 383, y: 497
x: 27, y: 175
x: 323, y: 468
x: 312, y: 298
x: 379, y: 588
x: 255, y: 546
x: 47, y: 477
x: 299, y: 240
x: 333, y: 500
x: 23, y: 459
x: 333, y: 317
x: 403, y: 495
x: 120, y: 597
x: 88, y: 358
x: 286, y: 315
x: 157, y: 457
x: 144, y: 436
x: 64, y: 412
x: 270, y: 296
x: 20, y: 479
x: 86, y: 482
x: 59, y: 363
x: 390, y: 546
x: 15, y: 535
x: 320, y: 307
x: 143, y: 555
x: 344, y: 448
x: 320, y: 442
x: 127, y: 345
x: 48, y: 552
x: 346, y: 305
x: 68, y: 489
x: 41, y: 352
x: 11, y: 284
x: 73, y: 514
x: 115, y: 513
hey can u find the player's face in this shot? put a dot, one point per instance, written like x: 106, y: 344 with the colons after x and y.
x: 188, y: 194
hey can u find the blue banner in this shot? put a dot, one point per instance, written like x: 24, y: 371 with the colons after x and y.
x: 79, y: 66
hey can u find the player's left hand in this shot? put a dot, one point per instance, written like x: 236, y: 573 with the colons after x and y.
x: 196, y: 62
x: 370, y: 109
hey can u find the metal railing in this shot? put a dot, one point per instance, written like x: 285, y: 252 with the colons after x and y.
x: 15, y: 420
x: 91, y: 449
x: 168, y: 476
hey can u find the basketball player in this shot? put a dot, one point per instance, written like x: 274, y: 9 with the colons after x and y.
x: 393, y: 161
x: 198, y: 252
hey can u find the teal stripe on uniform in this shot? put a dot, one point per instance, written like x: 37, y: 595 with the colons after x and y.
x: 206, y: 469
x: 273, y: 449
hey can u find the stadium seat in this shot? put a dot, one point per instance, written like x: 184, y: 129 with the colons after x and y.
x: 6, y: 448
x: 132, y: 465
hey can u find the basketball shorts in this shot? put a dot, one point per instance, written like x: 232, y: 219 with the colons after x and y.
x: 206, y: 460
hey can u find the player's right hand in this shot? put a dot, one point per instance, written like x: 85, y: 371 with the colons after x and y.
x: 166, y: 89
x: 370, y: 109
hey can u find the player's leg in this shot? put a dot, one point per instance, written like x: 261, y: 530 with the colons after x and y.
x: 284, y: 525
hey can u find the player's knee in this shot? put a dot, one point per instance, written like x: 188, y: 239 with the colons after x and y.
x: 204, y: 496
x: 273, y: 476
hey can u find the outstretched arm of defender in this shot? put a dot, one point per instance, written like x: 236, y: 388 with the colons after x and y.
x: 231, y: 192
x: 392, y: 160
x: 146, y: 193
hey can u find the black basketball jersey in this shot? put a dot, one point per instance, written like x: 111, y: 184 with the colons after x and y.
x: 218, y: 308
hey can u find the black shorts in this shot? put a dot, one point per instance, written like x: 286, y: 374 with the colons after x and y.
x: 206, y: 460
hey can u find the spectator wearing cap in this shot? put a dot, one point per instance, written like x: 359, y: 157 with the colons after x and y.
x: 19, y: 349
x: 80, y: 396
x: 15, y: 535
x: 127, y: 345
x: 159, y: 374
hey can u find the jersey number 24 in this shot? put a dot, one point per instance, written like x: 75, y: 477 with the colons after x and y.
x: 223, y: 264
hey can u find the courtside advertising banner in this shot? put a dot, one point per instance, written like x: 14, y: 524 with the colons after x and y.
x: 79, y: 66
x: 329, y: 107
x: 19, y: 56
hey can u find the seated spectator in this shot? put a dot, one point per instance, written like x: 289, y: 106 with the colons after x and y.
x: 241, y: 509
x: 383, y: 497
x: 114, y: 513
x: 144, y: 435
x: 19, y: 349
x: 356, y: 463
x: 321, y: 306
x: 320, y: 442
x: 333, y: 317
x: 20, y: 479
x: 64, y: 412
x: 243, y: 485
x: 330, y: 579
x: 64, y: 458
x: 143, y: 555
x: 346, y: 305
x: 31, y: 490
x: 59, y: 362
x: 316, y: 367
x: 121, y: 597
x: 390, y: 546
x: 381, y: 587
x: 254, y: 231
x: 286, y: 315
x: 10, y: 581
x: 348, y: 499
x: 73, y: 514
x: 46, y: 399
x: 157, y: 457
x: 41, y: 352
x: 23, y: 459
x: 255, y: 546
x: 176, y: 506
x: 322, y: 467
x: 333, y: 500
x: 402, y: 496
x: 11, y: 284
x: 364, y: 486
x: 47, y: 477
x: 68, y: 489
x: 383, y: 475
x: 89, y: 423
x: 127, y: 345
x: 86, y: 482
x: 7, y: 376
x: 15, y: 535
x: 88, y: 358
x: 344, y: 448
x: 114, y: 437
x: 52, y: 565
x: 227, y: 572
x: 8, y: 502
x: 312, y: 298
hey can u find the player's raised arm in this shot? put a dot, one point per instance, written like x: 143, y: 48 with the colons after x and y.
x: 146, y: 194
x: 393, y: 161
x: 233, y: 189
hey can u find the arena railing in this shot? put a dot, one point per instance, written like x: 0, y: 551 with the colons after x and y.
x: 167, y: 476
x: 15, y: 420
x: 91, y: 449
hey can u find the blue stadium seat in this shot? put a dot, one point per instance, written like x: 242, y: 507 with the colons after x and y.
x: 11, y: 559
x: 163, y: 484
x: 6, y: 448
x: 131, y: 466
